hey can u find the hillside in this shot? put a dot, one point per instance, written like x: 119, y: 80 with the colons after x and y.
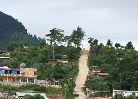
x: 13, y: 31
x: 112, y: 67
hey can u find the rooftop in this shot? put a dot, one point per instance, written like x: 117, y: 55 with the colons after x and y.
x: 124, y: 91
x: 103, y: 74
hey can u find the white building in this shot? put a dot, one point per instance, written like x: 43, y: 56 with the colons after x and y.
x: 125, y: 93
x: 17, y: 76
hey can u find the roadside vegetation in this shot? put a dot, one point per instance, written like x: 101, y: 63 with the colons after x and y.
x: 120, y: 62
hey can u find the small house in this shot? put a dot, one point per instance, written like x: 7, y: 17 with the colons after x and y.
x: 103, y: 74
x: 96, y: 70
x: 52, y: 61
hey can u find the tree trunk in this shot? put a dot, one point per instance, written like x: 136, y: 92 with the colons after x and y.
x: 77, y: 52
x: 53, y: 51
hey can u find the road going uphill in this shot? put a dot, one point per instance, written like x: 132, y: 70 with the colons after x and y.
x: 82, y: 75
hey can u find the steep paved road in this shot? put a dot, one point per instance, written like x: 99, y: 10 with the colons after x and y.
x: 82, y: 75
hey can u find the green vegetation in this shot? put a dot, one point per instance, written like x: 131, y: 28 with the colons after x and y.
x: 77, y: 37
x: 37, y: 58
x: 36, y: 96
x: 30, y: 51
x: 121, y: 62
x: 55, y: 37
x: 119, y: 96
x: 12, y: 31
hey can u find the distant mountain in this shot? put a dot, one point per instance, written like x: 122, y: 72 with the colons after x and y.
x: 13, y: 31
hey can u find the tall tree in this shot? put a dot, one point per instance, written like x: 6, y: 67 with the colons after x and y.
x: 77, y: 37
x: 90, y: 40
x: 117, y: 45
x: 109, y: 43
x: 55, y: 37
x: 94, y: 47
x: 68, y: 40
x: 129, y: 45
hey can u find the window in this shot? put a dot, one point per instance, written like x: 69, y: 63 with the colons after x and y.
x: 31, y: 80
x: 14, y: 72
x: 2, y: 71
x: 56, y: 83
x: 23, y: 79
x: 10, y: 71
x: 18, y: 72
x: 6, y: 71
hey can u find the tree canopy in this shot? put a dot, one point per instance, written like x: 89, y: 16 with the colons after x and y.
x: 13, y: 31
x: 121, y: 63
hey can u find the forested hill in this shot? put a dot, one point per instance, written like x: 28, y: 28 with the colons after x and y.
x: 13, y: 31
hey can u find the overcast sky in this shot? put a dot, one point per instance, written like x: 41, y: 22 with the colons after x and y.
x: 102, y: 19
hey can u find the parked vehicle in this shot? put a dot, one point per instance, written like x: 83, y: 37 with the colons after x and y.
x: 76, y: 93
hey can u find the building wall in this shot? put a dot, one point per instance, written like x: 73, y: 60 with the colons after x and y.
x: 54, y: 96
x: 125, y: 93
x: 8, y: 75
x: 11, y: 79
x: 28, y: 72
x: 28, y: 80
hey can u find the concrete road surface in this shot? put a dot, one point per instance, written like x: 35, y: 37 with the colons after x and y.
x: 82, y: 75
